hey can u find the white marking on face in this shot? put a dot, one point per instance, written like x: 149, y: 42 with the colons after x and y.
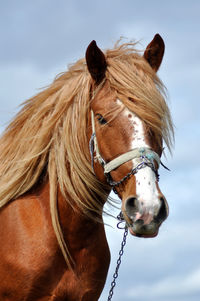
x: 146, y: 189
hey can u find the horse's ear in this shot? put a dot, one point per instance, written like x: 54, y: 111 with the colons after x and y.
x: 96, y: 62
x: 154, y: 52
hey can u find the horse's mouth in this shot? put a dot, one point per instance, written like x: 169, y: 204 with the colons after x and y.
x: 143, y: 230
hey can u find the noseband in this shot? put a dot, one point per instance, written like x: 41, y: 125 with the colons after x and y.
x: 144, y: 154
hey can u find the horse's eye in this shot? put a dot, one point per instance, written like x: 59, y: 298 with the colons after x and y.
x: 100, y: 119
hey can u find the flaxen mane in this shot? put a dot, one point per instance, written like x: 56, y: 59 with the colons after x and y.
x: 49, y: 134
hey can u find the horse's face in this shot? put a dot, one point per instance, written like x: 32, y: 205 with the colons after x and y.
x: 144, y: 206
x: 135, y: 178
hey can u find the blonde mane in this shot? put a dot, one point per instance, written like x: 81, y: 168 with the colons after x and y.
x: 49, y: 134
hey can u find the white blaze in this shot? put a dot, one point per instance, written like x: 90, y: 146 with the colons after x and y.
x: 146, y: 189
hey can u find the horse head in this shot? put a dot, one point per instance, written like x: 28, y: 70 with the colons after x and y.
x: 125, y: 149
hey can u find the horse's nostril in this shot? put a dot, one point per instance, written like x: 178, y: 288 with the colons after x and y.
x: 131, y: 206
x: 131, y: 202
x: 163, y: 212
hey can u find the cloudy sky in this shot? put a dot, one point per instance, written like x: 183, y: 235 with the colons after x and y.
x: 40, y: 38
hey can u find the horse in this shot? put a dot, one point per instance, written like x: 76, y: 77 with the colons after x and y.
x: 99, y: 126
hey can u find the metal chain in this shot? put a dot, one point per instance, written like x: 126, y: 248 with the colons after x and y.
x: 132, y: 172
x: 121, y: 252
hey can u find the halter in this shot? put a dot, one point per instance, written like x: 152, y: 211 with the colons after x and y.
x: 145, y: 154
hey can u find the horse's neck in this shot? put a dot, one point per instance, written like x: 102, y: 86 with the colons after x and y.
x: 77, y: 227
x: 86, y: 242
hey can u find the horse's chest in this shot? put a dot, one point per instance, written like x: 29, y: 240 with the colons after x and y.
x: 86, y: 282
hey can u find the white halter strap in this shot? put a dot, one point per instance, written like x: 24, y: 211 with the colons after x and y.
x: 142, y: 152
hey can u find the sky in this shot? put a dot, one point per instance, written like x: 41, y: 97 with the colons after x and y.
x: 40, y: 38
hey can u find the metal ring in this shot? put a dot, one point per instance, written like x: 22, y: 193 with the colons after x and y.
x: 121, y: 228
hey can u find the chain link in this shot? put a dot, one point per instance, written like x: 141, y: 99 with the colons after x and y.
x: 121, y: 252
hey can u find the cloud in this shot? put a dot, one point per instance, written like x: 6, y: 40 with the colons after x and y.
x: 181, y: 286
x: 18, y: 83
x: 47, y: 33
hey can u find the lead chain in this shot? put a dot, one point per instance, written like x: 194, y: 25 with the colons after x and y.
x: 115, y: 275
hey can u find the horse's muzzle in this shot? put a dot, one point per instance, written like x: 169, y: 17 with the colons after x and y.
x: 142, y: 221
